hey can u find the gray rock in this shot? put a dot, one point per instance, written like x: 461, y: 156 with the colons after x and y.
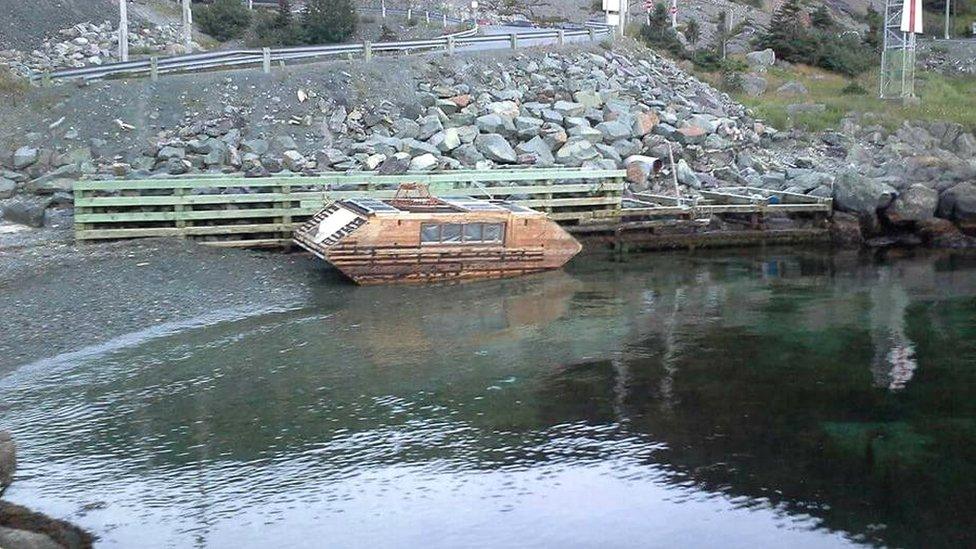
x: 792, y: 88
x: 394, y: 166
x: 538, y: 149
x: 494, y: 123
x: 256, y: 146
x: 177, y: 166
x: 528, y: 127
x: 687, y: 176
x: 7, y: 188
x: 429, y: 125
x: 965, y: 146
x: 446, y: 140
x: 294, y: 160
x: 959, y: 203
x: 25, y: 211
x: 614, y: 130
x: 916, y: 203
x: 423, y: 163
x: 592, y: 135
x: 406, y: 129
x: 8, y: 460
x: 576, y: 151
x: 169, y: 152
x: 550, y: 115
x: 761, y: 60
x: 22, y: 539
x: 861, y: 195
x: 417, y: 148
x: 811, y: 180
x: 495, y: 147
x: 330, y: 157
x: 589, y: 99
x: 24, y: 157
x: 567, y: 108
x: 505, y: 109
x: 468, y: 155
x: 754, y: 85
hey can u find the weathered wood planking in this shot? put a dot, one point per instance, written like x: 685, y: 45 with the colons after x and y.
x: 237, y: 211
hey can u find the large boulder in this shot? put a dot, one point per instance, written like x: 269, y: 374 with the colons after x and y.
x: 754, y: 85
x: 914, y: 204
x: 792, y: 88
x: 959, y: 204
x: 495, y: 147
x: 538, y: 150
x: 24, y: 539
x: 495, y: 123
x: 24, y: 157
x: 8, y: 460
x: 759, y: 61
x: 576, y: 151
x: 7, y: 188
x: 861, y: 195
x: 614, y: 130
x: 25, y: 211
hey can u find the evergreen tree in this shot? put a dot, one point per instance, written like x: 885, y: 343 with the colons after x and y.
x: 283, y: 18
x: 821, y: 19
x: 787, y: 35
x: 328, y: 21
x: 873, y: 37
x: 692, y: 31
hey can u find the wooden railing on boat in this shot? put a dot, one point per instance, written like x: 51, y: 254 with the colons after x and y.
x: 251, y: 212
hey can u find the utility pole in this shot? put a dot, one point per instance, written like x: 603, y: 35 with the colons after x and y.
x: 947, y: 20
x: 123, y: 30
x: 187, y: 26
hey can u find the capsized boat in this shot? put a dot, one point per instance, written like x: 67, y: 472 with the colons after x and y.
x: 416, y: 237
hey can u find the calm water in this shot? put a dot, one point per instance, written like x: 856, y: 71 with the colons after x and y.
x: 732, y: 399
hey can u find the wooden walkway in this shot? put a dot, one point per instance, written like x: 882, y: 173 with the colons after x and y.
x: 246, y: 212
x: 255, y: 212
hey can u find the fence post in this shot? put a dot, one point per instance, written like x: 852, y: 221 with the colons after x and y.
x: 444, y: 20
x: 592, y: 35
x: 266, y: 60
x: 427, y: 16
x: 514, y: 38
x: 561, y: 37
x: 368, y: 50
x: 154, y: 68
x: 409, y: 14
x: 450, y: 45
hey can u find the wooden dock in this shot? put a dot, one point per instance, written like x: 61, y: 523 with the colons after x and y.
x: 259, y: 212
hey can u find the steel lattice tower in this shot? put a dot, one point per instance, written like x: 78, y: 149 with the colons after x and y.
x: 897, y: 55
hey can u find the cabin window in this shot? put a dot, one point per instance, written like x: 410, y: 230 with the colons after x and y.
x: 456, y: 233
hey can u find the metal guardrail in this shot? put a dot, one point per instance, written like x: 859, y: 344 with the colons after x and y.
x: 155, y: 66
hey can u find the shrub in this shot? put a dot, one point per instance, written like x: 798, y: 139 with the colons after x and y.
x: 854, y: 88
x: 328, y: 21
x: 692, y: 31
x: 794, y: 42
x: 387, y: 34
x: 224, y: 19
x: 658, y: 31
x: 279, y: 29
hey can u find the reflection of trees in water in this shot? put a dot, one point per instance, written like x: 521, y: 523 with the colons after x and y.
x: 893, y: 364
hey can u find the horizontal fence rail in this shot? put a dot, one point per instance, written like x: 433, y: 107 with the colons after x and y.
x: 251, y: 212
x: 154, y: 66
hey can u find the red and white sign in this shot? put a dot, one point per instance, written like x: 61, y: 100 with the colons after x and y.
x: 911, y: 17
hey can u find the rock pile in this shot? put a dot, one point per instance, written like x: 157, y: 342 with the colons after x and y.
x: 587, y: 108
x: 88, y: 44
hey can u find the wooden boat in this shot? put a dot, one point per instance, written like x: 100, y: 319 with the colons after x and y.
x: 416, y: 237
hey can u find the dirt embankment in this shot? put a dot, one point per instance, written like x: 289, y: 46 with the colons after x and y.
x: 26, y: 24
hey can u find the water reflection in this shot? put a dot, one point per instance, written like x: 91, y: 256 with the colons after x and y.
x: 683, y: 399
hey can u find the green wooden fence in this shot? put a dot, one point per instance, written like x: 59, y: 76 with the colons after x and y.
x: 236, y: 211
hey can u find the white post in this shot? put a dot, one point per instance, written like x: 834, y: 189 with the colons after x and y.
x: 444, y: 20
x: 427, y: 17
x: 266, y: 60
x: 383, y: 9
x: 250, y: 4
x: 123, y: 30
x: 674, y: 14
x: 187, y: 26
x: 409, y: 14
x: 947, y: 21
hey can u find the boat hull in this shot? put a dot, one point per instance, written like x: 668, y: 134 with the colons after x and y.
x: 369, y: 266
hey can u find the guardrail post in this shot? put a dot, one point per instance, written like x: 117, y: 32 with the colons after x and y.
x: 592, y: 35
x: 450, y: 45
x: 444, y: 20
x: 514, y: 38
x: 368, y: 51
x: 154, y: 68
x: 427, y: 16
x: 266, y: 60
x: 409, y: 14
x: 561, y: 37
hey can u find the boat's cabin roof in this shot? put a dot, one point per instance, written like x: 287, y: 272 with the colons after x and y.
x: 440, y: 204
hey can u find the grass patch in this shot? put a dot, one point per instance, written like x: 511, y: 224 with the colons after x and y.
x: 11, y: 86
x: 942, y: 98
